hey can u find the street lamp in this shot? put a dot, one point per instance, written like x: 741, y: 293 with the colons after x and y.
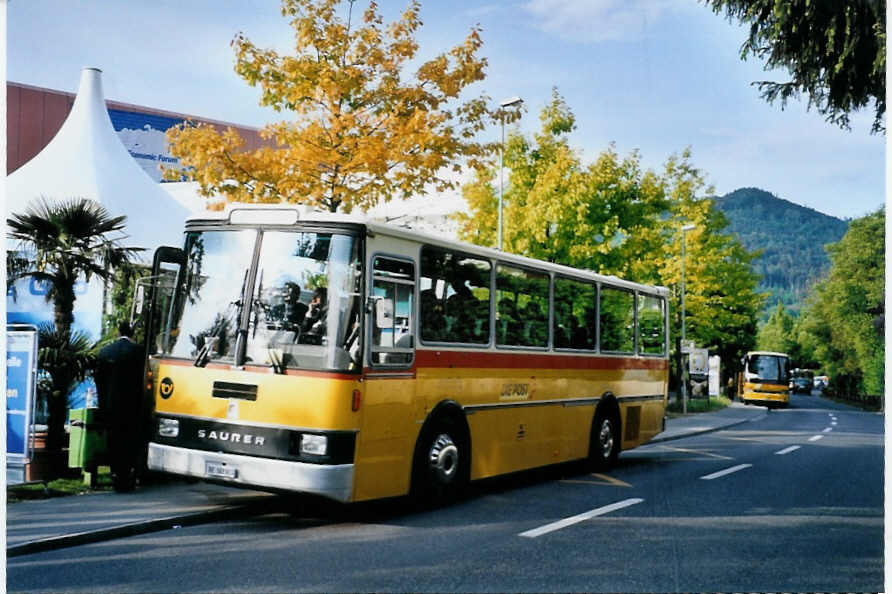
x: 684, y: 385
x: 506, y: 103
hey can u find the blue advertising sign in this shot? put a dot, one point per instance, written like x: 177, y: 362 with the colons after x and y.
x: 143, y: 135
x: 21, y: 375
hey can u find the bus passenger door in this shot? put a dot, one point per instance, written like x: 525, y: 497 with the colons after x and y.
x: 388, y: 428
x: 153, y: 295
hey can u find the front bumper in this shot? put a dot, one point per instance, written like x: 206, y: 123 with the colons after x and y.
x: 770, y: 397
x: 334, y: 481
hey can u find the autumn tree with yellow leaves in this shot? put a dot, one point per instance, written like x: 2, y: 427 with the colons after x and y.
x: 360, y: 130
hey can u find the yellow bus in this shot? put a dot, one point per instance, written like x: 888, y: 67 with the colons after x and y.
x: 766, y: 378
x: 327, y: 354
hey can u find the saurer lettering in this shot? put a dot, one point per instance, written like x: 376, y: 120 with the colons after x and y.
x: 231, y: 437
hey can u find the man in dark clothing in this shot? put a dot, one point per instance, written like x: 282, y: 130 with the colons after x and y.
x: 119, y: 375
x: 313, y: 326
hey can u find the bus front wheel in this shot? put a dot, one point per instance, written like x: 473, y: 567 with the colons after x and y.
x: 442, y: 463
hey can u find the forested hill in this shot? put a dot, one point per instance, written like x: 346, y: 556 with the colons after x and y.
x: 791, y: 238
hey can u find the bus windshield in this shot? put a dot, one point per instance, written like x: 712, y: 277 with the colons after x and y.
x: 301, y: 309
x: 769, y: 368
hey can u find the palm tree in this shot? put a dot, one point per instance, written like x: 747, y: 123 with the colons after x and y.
x: 67, y: 358
x: 61, y: 242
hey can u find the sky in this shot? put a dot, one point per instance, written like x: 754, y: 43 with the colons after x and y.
x: 656, y: 76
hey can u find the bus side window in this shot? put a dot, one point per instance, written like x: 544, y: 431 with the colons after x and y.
x: 651, y: 325
x: 392, y: 320
x: 574, y: 314
x: 522, y: 314
x: 617, y: 320
x: 454, y: 298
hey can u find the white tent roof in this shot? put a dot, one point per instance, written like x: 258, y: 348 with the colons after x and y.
x: 87, y: 159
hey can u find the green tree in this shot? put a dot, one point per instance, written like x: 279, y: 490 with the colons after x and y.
x: 615, y: 218
x: 601, y: 216
x: 119, y: 300
x: 721, y: 301
x: 835, y: 51
x: 777, y: 333
x: 360, y: 129
x: 66, y: 358
x: 840, y: 324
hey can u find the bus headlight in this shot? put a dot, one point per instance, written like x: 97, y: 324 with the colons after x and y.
x: 315, y: 445
x: 168, y: 427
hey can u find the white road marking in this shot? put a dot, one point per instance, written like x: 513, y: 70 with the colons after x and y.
x: 833, y: 423
x: 722, y: 473
x: 827, y: 430
x: 579, y: 518
x: 815, y: 437
x: 787, y: 450
x: 702, y: 452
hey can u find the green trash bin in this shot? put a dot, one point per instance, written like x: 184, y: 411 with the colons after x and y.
x: 88, y: 440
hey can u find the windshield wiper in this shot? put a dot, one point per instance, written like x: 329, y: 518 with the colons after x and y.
x: 204, y: 353
x: 257, y: 304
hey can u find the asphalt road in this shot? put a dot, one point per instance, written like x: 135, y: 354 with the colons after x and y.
x: 792, y: 502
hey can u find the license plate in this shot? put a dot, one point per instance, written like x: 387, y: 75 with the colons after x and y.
x: 220, y: 470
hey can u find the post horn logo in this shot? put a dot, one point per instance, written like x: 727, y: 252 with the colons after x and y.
x: 166, y: 388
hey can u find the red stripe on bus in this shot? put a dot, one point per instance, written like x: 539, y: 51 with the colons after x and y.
x: 519, y: 360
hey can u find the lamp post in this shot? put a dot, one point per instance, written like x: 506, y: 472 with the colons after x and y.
x: 506, y: 103
x: 684, y: 385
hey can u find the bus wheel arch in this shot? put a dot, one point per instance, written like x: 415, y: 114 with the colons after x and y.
x: 605, y: 442
x: 441, y: 462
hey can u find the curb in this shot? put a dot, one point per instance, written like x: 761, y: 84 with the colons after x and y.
x: 659, y: 439
x: 53, y: 543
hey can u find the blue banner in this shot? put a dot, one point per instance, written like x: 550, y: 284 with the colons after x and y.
x: 21, y: 372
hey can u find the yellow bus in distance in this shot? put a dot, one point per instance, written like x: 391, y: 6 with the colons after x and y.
x: 766, y: 378
x: 323, y: 353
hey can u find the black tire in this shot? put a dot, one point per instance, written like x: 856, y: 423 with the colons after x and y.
x: 441, y: 468
x: 605, y: 441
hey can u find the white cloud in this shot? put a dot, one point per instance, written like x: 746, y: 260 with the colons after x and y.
x: 593, y: 21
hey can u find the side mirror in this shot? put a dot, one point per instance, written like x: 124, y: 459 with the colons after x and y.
x: 384, y: 313
x: 139, y: 300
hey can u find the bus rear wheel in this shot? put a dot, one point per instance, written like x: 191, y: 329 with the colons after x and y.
x: 442, y: 463
x: 604, y: 445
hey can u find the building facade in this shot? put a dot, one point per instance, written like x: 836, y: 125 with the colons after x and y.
x: 34, y: 115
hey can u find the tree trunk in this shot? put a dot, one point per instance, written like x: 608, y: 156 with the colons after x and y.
x: 63, y: 306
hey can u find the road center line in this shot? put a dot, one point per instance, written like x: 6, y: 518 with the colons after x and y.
x: 579, y: 518
x: 815, y: 437
x: 787, y: 450
x: 722, y: 473
x: 827, y: 430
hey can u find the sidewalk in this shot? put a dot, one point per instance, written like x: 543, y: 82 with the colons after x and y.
x: 47, y: 524
x: 57, y: 522
x: 695, y: 424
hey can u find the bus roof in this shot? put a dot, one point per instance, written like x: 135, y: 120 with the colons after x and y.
x: 770, y: 353
x: 288, y: 214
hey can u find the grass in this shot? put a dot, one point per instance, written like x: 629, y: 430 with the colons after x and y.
x: 60, y: 487
x: 697, y: 405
